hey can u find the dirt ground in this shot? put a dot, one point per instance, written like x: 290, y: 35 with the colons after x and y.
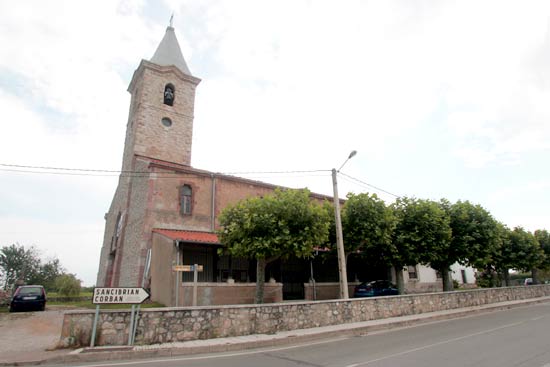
x: 28, y: 336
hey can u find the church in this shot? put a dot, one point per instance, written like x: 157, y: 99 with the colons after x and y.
x: 163, y: 216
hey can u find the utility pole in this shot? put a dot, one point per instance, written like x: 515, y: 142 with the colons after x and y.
x: 342, y: 268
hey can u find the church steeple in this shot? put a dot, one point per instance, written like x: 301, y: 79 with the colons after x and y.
x: 169, y: 53
x: 160, y: 123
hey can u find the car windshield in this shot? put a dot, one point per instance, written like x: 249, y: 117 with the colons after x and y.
x: 30, y: 290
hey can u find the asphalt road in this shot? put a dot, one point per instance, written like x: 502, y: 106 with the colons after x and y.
x: 516, y: 337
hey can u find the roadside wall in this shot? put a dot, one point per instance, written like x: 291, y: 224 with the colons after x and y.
x: 228, y: 293
x: 191, y: 323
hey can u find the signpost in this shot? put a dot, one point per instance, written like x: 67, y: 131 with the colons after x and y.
x: 190, y: 268
x: 117, y: 295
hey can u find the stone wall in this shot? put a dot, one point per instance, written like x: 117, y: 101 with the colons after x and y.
x: 325, y: 290
x: 228, y: 293
x: 191, y: 323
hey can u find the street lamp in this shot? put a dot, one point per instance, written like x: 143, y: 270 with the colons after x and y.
x: 344, y: 293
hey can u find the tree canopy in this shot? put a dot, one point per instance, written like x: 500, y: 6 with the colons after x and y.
x: 285, y: 223
x: 423, y: 232
x: 20, y: 265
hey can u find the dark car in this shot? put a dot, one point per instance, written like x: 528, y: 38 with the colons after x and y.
x: 28, y: 297
x: 375, y: 289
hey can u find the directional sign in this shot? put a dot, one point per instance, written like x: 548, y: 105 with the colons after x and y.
x: 119, y: 295
x: 187, y: 268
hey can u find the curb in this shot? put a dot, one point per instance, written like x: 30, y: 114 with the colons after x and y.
x: 261, y: 341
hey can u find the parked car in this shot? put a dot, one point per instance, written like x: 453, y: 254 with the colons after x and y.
x: 28, y: 297
x: 375, y: 288
x: 528, y: 281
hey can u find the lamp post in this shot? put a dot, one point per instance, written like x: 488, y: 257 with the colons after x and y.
x: 344, y: 293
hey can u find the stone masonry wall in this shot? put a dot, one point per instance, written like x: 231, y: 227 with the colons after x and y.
x: 191, y: 323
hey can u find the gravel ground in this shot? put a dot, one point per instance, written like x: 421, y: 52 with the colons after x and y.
x: 28, y: 336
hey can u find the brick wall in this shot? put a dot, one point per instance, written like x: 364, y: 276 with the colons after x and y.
x: 191, y: 323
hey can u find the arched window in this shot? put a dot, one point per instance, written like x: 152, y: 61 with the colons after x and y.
x: 169, y: 94
x: 186, y: 194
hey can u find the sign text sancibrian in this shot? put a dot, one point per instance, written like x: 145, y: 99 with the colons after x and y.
x: 130, y: 295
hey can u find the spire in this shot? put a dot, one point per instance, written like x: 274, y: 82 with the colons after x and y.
x: 169, y: 53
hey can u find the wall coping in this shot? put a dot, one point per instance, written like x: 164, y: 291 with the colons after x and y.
x: 225, y: 284
x: 295, y: 303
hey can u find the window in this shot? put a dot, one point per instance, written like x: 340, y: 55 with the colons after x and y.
x: 186, y: 195
x: 118, y: 231
x: 166, y: 121
x: 463, y: 273
x: 412, y: 272
x: 438, y: 274
x: 169, y: 94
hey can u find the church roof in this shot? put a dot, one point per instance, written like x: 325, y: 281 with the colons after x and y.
x: 189, y: 236
x: 169, y: 53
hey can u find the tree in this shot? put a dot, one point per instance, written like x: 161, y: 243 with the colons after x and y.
x: 368, y: 226
x: 519, y: 250
x: 474, y: 233
x: 543, y: 237
x: 285, y: 223
x: 526, y: 252
x: 49, y: 272
x: 19, y: 265
x: 423, y: 234
x: 67, y: 285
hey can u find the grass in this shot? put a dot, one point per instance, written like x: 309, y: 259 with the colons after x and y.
x: 81, y: 294
x: 89, y: 305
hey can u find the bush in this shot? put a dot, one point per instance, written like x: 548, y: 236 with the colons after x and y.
x: 67, y: 285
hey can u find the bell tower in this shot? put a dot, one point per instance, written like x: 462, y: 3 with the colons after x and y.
x: 160, y: 120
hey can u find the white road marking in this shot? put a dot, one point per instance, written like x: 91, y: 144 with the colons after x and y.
x: 169, y: 359
x: 434, y: 344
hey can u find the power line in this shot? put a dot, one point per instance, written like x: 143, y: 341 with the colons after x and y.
x: 126, y: 173
x: 17, y: 168
x: 369, y: 185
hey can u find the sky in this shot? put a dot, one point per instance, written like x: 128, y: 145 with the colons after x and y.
x: 441, y: 99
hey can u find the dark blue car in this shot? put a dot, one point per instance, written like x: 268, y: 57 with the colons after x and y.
x: 375, y: 288
x: 28, y: 297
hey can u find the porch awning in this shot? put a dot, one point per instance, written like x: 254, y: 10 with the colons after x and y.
x: 208, y: 238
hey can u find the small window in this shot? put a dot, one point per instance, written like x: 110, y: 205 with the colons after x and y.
x: 186, y: 195
x: 438, y: 274
x: 464, y: 278
x: 412, y: 272
x: 166, y: 121
x: 118, y: 231
x: 169, y: 94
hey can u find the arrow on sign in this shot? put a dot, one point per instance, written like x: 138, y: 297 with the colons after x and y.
x: 132, y: 295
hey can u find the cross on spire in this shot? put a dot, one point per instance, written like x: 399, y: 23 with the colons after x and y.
x: 172, y: 20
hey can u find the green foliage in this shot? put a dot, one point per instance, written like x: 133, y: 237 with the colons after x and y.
x: 474, y: 233
x: 423, y: 233
x: 368, y: 225
x: 543, y: 237
x: 49, y: 273
x: 67, y: 285
x: 524, y: 251
x: 20, y: 265
x: 283, y: 224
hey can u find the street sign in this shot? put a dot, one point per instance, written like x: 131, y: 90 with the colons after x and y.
x: 187, y: 268
x: 132, y: 295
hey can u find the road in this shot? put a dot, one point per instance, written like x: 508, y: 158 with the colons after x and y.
x: 516, y: 337
x: 26, y: 335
